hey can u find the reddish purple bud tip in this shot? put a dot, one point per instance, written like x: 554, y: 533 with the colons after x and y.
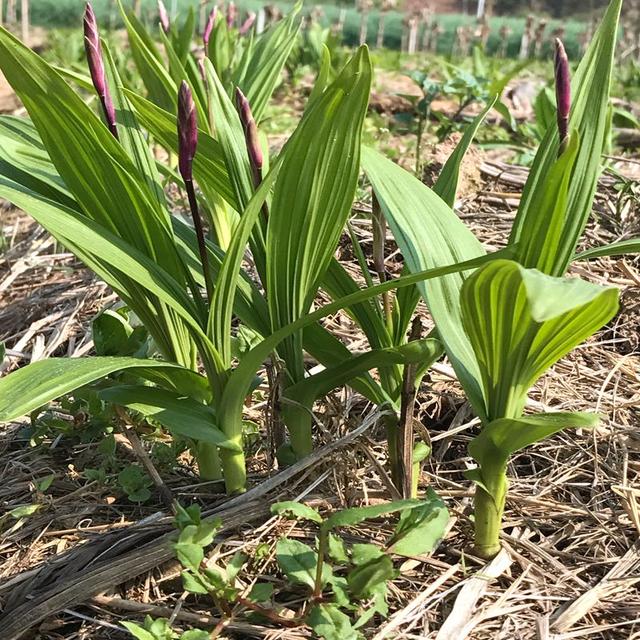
x: 251, y: 136
x: 96, y: 67
x: 163, y: 16
x: 563, y: 90
x: 231, y: 14
x: 208, y: 28
x: 247, y: 24
x: 187, y: 132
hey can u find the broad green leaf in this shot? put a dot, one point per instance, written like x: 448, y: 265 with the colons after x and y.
x: 361, y: 553
x: 336, y: 549
x: 322, y: 80
x: 299, y: 561
x: 196, y: 634
x: 355, y: 515
x: 137, y: 631
x: 365, y: 580
x: 130, y: 134
x: 430, y: 235
x: 328, y: 622
x: 230, y: 137
x: 130, y: 273
x: 261, y: 592
x: 312, y: 199
x: 182, y: 416
x: 420, y: 529
x: 249, y: 303
x: 30, y: 387
x: 296, y: 510
x: 94, y: 167
x: 589, y: 116
x: 501, y: 438
x: 516, y: 343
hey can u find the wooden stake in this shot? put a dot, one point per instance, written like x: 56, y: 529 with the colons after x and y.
x: 24, y: 20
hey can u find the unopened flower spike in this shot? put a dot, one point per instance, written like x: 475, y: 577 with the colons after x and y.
x: 163, y: 15
x: 187, y: 145
x: 563, y: 92
x: 208, y: 28
x: 251, y: 136
x: 96, y: 68
x: 231, y: 14
x: 187, y: 131
x: 247, y: 24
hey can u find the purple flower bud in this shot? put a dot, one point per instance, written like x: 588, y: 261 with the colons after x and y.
x: 231, y: 14
x: 250, y: 135
x: 187, y: 132
x: 563, y: 92
x: 248, y: 23
x: 208, y: 28
x: 96, y: 67
x: 164, y: 17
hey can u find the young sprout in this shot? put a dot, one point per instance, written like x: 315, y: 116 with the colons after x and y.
x: 187, y: 144
x: 247, y: 24
x: 563, y: 92
x: 96, y: 68
x: 208, y: 27
x: 163, y: 15
x: 251, y: 136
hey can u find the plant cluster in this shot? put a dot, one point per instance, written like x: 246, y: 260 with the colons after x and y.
x: 212, y: 297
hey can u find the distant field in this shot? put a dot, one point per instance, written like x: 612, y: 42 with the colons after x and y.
x: 65, y: 13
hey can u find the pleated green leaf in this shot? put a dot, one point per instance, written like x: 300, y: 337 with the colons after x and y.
x: 298, y: 399
x: 313, y: 196
x: 182, y: 416
x: 160, y: 85
x: 241, y: 378
x: 430, y: 235
x: 209, y: 166
x: 30, y: 387
x: 94, y: 166
x: 632, y: 245
x: 589, y: 117
x: 157, y: 299
x: 260, y: 75
x: 540, y: 246
x: 498, y: 440
x: 230, y: 137
x: 520, y: 322
x: 130, y: 134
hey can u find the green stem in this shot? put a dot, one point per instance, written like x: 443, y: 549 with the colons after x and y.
x: 233, y: 467
x: 208, y: 461
x: 488, y: 522
x: 301, y: 436
x: 322, y: 546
